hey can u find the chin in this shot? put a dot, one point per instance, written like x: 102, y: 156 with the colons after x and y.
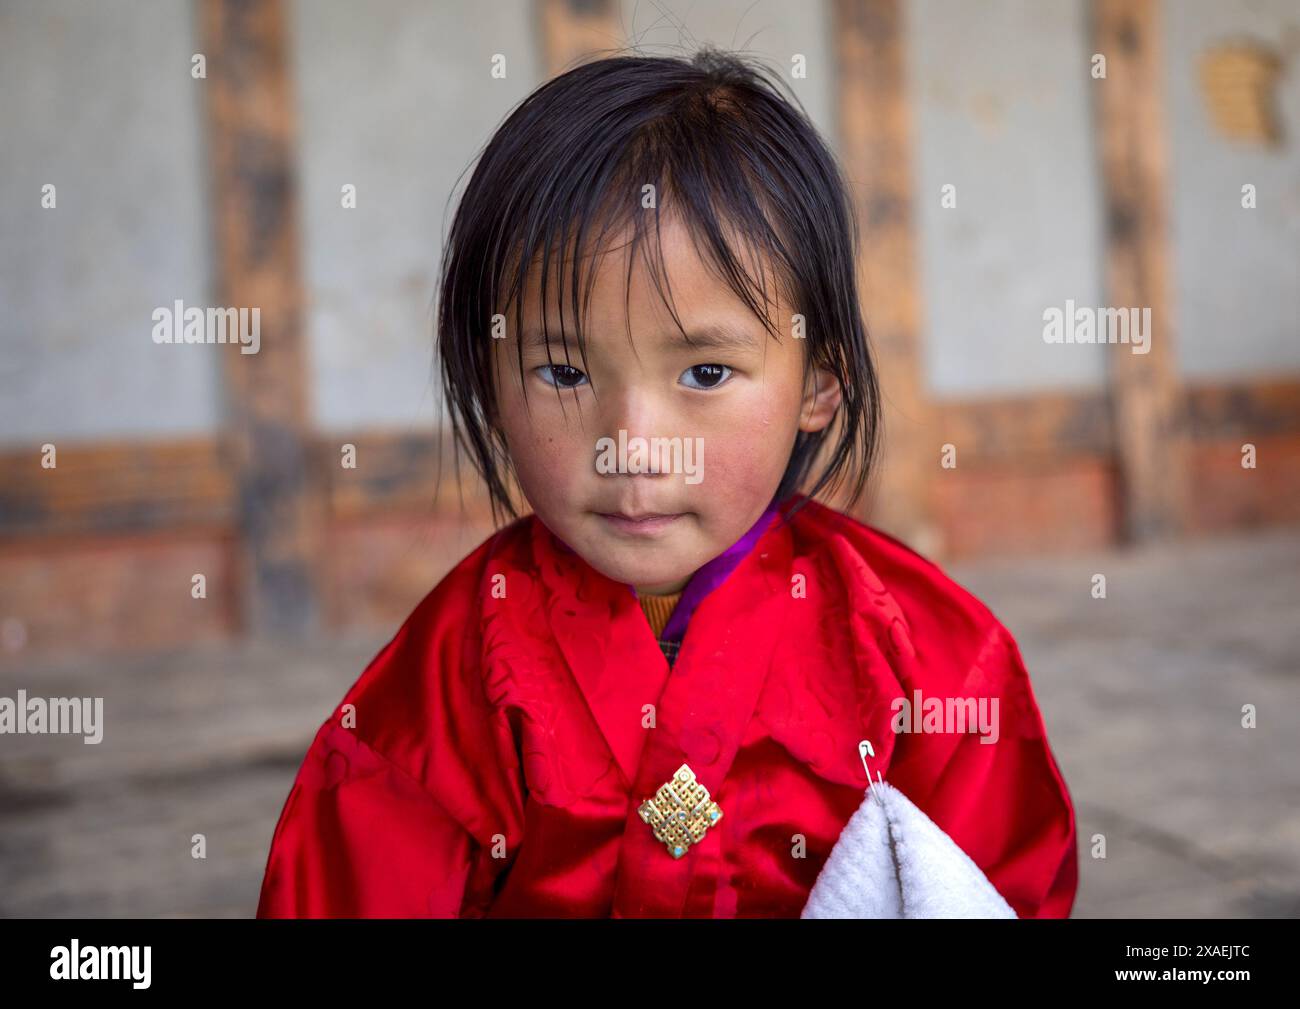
x: 639, y: 574
x: 623, y: 566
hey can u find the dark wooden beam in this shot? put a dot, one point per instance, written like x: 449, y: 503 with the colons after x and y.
x: 1248, y: 410
x: 575, y: 30
x: 401, y: 471
x: 115, y: 487
x: 1144, y: 389
x: 875, y: 139
x: 251, y: 140
x: 1018, y: 430
x: 137, y: 487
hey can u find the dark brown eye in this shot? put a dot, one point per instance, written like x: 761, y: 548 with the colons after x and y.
x: 709, y: 376
x: 562, y: 376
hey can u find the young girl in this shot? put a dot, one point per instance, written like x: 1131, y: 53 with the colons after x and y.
x: 647, y: 697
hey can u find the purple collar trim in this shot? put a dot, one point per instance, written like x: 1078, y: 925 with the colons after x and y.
x: 712, y: 574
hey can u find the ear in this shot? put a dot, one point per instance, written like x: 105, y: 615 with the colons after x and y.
x: 820, y: 401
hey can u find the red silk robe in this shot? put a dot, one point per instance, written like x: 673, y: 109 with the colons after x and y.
x: 499, y: 746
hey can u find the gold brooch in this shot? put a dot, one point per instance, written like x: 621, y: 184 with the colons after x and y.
x: 680, y: 812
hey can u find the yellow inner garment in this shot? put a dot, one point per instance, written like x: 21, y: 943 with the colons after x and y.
x: 658, y: 609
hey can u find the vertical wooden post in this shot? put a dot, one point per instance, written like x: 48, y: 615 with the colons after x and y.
x: 252, y: 152
x: 573, y: 30
x: 875, y: 137
x: 1144, y: 389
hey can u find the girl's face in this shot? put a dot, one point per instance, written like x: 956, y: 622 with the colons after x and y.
x: 717, y: 420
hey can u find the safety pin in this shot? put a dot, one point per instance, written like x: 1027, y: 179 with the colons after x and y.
x: 864, y: 750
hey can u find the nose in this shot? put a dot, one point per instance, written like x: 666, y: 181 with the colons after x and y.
x: 631, y: 418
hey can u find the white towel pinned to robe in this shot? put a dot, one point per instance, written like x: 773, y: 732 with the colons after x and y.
x: 893, y: 861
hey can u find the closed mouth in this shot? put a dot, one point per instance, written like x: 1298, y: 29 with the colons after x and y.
x: 642, y: 524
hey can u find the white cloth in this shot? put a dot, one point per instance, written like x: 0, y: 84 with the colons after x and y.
x: 893, y: 861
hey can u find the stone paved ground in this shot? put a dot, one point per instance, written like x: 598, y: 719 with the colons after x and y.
x: 1141, y: 693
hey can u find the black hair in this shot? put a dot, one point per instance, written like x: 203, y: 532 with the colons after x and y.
x: 723, y: 147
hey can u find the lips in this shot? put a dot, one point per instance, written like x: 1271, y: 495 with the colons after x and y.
x: 640, y: 523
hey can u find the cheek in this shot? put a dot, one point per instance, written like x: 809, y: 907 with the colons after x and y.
x: 548, y: 454
x: 745, y: 457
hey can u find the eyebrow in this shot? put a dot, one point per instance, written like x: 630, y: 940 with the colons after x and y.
x: 714, y: 337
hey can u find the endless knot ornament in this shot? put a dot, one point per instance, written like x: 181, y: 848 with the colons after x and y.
x: 681, y: 812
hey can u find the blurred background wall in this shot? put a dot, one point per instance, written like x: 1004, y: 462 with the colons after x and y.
x: 996, y: 176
